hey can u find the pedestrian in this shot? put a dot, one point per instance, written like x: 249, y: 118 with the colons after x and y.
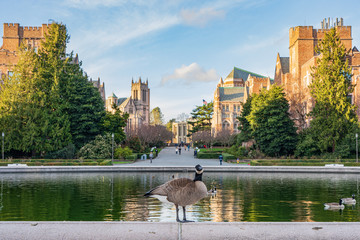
x: 195, y: 153
x: 220, y: 159
x: 179, y: 150
x: 151, y: 156
x: 176, y: 150
x: 184, y: 147
x: 156, y: 152
x: 188, y: 147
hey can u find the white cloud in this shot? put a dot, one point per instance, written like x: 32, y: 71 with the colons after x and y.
x: 200, y: 17
x: 191, y: 73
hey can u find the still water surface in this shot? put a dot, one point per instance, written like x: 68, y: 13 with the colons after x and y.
x: 249, y: 197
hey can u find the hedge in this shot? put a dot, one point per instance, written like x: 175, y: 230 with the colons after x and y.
x: 132, y: 157
x: 228, y: 156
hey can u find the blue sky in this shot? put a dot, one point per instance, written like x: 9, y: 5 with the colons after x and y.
x: 182, y: 47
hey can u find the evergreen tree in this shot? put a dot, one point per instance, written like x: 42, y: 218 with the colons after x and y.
x: 115, y: 123
x: 273, y: 130
x: 333, y: 114
x: 245, y: 128
x: 36, y: 121
x: 83, y: 104
x: 201, y: 118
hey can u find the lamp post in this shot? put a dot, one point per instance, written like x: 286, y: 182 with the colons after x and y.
x: 112, y: 148
x: 3, y: 135
x: 356, y: 135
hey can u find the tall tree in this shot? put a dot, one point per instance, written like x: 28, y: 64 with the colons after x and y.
x: 201, y: 118
x: 244, y: 126
x: 31, y: 103
x: 156, y: 117
x: 333, y: 114
x: 83, y: 104
x: 115, y: 123
x: 273, y: 130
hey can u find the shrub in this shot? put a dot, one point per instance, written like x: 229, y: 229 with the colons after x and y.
x: 132, y: 157
x: 67, y: 152
x: 122, y: 152
x: 100, y: 147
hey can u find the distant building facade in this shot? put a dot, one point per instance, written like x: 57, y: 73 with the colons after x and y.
x: 294, y: 72
x: 137, y: 105
x: 180, y: 131
x: 230, y: 93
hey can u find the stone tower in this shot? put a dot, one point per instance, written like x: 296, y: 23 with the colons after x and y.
x: 140, y: 95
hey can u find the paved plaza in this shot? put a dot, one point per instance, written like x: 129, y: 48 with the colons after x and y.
x: 168, y: 157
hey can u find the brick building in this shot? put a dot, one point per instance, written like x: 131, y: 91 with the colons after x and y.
x: 294, y: 72
x: 14, y: 35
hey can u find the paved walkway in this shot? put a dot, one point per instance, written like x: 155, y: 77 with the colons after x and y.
x: 168, y: 157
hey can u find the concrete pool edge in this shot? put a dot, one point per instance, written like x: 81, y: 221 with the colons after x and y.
x: 235, y: 168
x: 173, y: 230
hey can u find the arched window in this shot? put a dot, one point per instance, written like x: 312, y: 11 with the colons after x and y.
x: 226, y: 125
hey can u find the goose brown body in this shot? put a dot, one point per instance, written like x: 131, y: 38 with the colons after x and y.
x: 182, y: 191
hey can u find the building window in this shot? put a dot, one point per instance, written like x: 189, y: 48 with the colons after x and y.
x: 227, y: 107
x: 130, y: 110
x: 238, y: 107
x: 223, y: 107
x: 226, y: 125
x: 144, y: 95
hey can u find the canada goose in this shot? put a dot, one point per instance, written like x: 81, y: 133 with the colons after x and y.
x: 338, y: 205
x: 182, y: 191
x: 349, y: 200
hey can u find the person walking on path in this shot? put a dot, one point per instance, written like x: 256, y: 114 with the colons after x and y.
x: 156, y: 152
x: 151, y: 156
x: 179, y: 150
x: 220, y: 159
x: 176, y: 150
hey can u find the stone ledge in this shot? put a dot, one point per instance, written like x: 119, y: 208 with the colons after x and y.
x: 173, y: 230
x: 262, y: 169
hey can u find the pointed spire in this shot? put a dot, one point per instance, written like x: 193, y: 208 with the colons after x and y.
x: 132, y: 80
x: 146, y: 81
x: 139, y: 79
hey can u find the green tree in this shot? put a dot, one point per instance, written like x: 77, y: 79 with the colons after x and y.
x: 244, y: 126
x: 169, y: 124
x: 201, y: 118
x: 156, y: 117
x: 273, y: 130
x: 333, y: 114
x: 83, y: 104
x: 31, y: 109
x: 115, y: 123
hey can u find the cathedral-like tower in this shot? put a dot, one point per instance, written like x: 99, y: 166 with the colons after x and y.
x: 140, y: 95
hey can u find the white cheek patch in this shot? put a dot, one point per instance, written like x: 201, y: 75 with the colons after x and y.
x: 199, y: 172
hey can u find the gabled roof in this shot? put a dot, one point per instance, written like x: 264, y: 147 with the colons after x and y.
x: 238, y: 73
x: 124, y: 103
x: 284, y: 61
x: 120, y: 101
x: 233, y: 94
x: 355, y: 49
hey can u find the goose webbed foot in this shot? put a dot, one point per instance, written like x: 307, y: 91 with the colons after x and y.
x: 186, y: 221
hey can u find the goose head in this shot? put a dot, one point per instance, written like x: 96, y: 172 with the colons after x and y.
x: 353, y: 196
x: 198, y: 173
x: 340, y: 201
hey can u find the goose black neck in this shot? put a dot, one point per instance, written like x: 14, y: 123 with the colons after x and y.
x: 198, y: 177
